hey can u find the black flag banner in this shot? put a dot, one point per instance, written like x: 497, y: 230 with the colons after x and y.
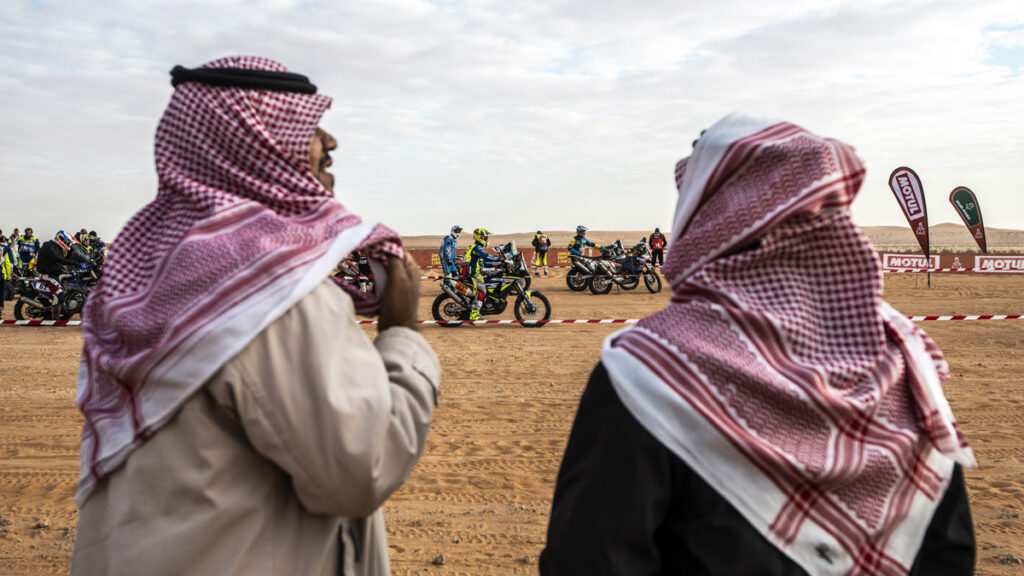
x: 966, y: 205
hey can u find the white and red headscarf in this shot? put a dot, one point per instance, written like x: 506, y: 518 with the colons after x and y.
x: 777, y: 372
x: 240, y: 231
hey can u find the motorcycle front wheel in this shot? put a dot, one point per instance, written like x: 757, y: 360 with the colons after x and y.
x: 540, y: 310
x: 24, y: 311
x: 600, y: 284
x: 576, y: 280
x: 653, y: 282
x: 448, y: 311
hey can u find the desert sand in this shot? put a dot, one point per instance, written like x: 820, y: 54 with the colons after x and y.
x: 478, y: 501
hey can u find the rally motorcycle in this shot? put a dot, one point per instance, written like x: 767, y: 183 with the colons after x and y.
x: 453, y: 304
x: 355, y: 269
x: 651, y: 279
x: 623, y: 268
x: 42, y: 298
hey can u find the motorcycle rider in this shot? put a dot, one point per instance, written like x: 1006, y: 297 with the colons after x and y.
x: 447, y: 252
x: 7, y: 262
x: 658, y: 244
x: 476, y: 258
x: 28, y: 247
x: 580, y: 241
x: 53, y: 256
x: 541, y: 243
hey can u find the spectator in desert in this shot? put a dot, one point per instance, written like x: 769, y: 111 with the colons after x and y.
x: 777, y: 417
x: 658, y: 244
x: 237, y: 421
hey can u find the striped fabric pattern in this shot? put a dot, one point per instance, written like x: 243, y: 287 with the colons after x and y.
x: 777, y: 372
x: 239, y: 231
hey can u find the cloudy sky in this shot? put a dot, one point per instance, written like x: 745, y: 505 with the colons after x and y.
x: 521, y: 115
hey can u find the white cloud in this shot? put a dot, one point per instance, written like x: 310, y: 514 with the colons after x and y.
x: 514, y: 117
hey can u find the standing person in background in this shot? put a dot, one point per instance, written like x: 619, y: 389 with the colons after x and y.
x: 14, y: 239
x: 580, y: 241
x: 753, y: 426
x: 541, y: 243
x: 448, y: 252
x: 28, y: 247
x: 658, y: 244
x: 245, y: 425
x: 82, y: 236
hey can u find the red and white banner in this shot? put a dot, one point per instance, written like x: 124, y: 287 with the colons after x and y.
x: 910, y: 194
x: 1003, y: 264
x: 915, y: 261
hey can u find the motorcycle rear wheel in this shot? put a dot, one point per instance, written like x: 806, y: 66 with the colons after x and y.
x: 73, y: 303
x: 653, y: 282
x: 600, y: 284
x: 541, y: 309
x: 448, y: 311
x: 24, y: 311
x: 576, y: 280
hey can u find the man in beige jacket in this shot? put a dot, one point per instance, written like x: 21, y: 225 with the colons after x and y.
x: 237, y: 421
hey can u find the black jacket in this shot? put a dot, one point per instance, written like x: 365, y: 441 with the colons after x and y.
x: 624, y: 504
x: 51, y: 259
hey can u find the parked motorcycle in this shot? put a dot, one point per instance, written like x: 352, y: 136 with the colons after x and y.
x: 42, y: 298
x: 618, y: 266
x: 453, y: 304
x: 651, y: 279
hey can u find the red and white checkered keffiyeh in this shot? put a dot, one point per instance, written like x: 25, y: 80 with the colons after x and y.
x: 777, y: 372
x: 240, y: 231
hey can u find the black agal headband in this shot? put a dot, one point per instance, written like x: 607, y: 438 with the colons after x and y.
x: 244, y: 78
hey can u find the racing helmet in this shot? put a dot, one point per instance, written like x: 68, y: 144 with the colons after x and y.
x: 455, y: 231
x: 481, y: 235
x: 64, y: 239
x: 581, y: 230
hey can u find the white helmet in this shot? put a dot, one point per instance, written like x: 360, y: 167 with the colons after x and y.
x: 581, y: 230
x: 456, y: 230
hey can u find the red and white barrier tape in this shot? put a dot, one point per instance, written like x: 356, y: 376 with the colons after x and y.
x: 566, y: 321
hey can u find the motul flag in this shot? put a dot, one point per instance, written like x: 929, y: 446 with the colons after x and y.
x: 966, y: 204
x: 908, y: 190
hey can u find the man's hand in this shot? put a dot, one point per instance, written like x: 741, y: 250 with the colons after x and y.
x: 401, y: 295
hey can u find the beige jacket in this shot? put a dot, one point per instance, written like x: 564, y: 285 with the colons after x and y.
x: 280, y: 464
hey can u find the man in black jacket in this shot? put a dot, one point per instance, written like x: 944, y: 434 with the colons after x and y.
x: 53, y: 256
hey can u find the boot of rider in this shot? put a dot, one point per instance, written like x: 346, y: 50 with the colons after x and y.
x: 474, y: 311
x: 545, y: 270
x: 536, y: 270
